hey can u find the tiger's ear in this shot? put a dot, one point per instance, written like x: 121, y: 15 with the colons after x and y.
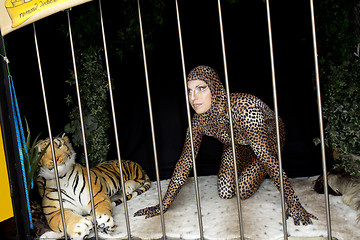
x: 65, y: 138
x: 39, y: 145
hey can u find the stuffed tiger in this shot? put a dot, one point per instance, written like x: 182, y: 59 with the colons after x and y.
x: 105, y: 181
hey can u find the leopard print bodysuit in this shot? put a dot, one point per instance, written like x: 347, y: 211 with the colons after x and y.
x: 256, y: 148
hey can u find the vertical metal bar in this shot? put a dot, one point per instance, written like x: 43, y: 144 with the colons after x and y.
x: 231, y: 124
x: 152, y: 124
x: 126, y: 211
x: 277, y: 122
x: 82, y: 129
x: 50, y: 135
x: 197, y: 194
x: 321, y: 125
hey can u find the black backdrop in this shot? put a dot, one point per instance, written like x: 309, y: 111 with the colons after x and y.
x: 247, y: 50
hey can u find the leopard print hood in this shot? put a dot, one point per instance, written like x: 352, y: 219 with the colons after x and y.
x: 218, y: 93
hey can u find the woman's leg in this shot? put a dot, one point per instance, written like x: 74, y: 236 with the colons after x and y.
x: 251, y: 176
x: 251, y: 172
x: 226, y: 177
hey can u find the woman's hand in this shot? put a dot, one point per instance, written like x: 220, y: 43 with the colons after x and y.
x: 299, y: 214
x: 150, y: 211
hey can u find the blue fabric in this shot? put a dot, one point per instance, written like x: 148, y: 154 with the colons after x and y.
x: 20, y: 137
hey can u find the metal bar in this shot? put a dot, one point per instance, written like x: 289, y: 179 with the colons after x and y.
x: 231, y: 124
x: 277, y: 122
x: 82, y: 129
x: 152, y: 124
x: 126, y: 211
x: 197, y: 194
x: 321, y: 125
x: 50, y: 135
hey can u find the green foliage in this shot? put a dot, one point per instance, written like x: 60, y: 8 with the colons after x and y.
x: 341, y: 109
x: 123, y: 40
x: 335, y: 31
x: 31, y: 158
x: 121, y: 25
x: 340, y: 85
x: 126, y: 39
x: 93, y: 87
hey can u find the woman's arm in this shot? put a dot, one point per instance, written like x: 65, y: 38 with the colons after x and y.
x: 256, y: 128
x: 179, y: 176
x: 295, y: 209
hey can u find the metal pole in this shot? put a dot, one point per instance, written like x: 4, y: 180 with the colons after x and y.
x: 152, y: 125
x: 277, y: 122
x: 126, y: 211
x: 50, y: 135
x: 321, y: 125
x: 231, y: 124
x: 197, y: 194
x: 82, y: 129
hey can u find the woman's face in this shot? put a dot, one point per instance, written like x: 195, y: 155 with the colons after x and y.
x: 199, y: 96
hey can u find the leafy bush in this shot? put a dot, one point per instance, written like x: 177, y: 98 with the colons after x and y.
x: 341, y: 109
x: 339, y: 75
x: 93, y: 85
x: 123, y: 40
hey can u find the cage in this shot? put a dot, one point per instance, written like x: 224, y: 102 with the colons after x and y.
x: 148, y: 92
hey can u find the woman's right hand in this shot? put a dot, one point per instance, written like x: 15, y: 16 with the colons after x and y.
x: 181, y: 172
x: 150, y: 211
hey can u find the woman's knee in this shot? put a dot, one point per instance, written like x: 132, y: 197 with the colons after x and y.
x: 226, y: 189
x: 226, y: 194
x: 245, y: 194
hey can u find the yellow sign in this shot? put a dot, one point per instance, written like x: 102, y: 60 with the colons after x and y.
x: 6, y: 209
x: 18, y: 13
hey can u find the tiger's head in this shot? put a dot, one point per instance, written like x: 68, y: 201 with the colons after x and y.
x: 64, y: 155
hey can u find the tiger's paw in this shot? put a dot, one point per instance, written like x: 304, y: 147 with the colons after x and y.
x: 130, y: 186
x: 81, y: 229
x: 105, y: 223
x: 52, y: 235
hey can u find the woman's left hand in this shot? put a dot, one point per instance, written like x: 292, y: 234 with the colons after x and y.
x: 299, y: 214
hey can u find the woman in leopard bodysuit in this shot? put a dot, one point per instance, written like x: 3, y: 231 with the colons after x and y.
x: 255, y: 139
